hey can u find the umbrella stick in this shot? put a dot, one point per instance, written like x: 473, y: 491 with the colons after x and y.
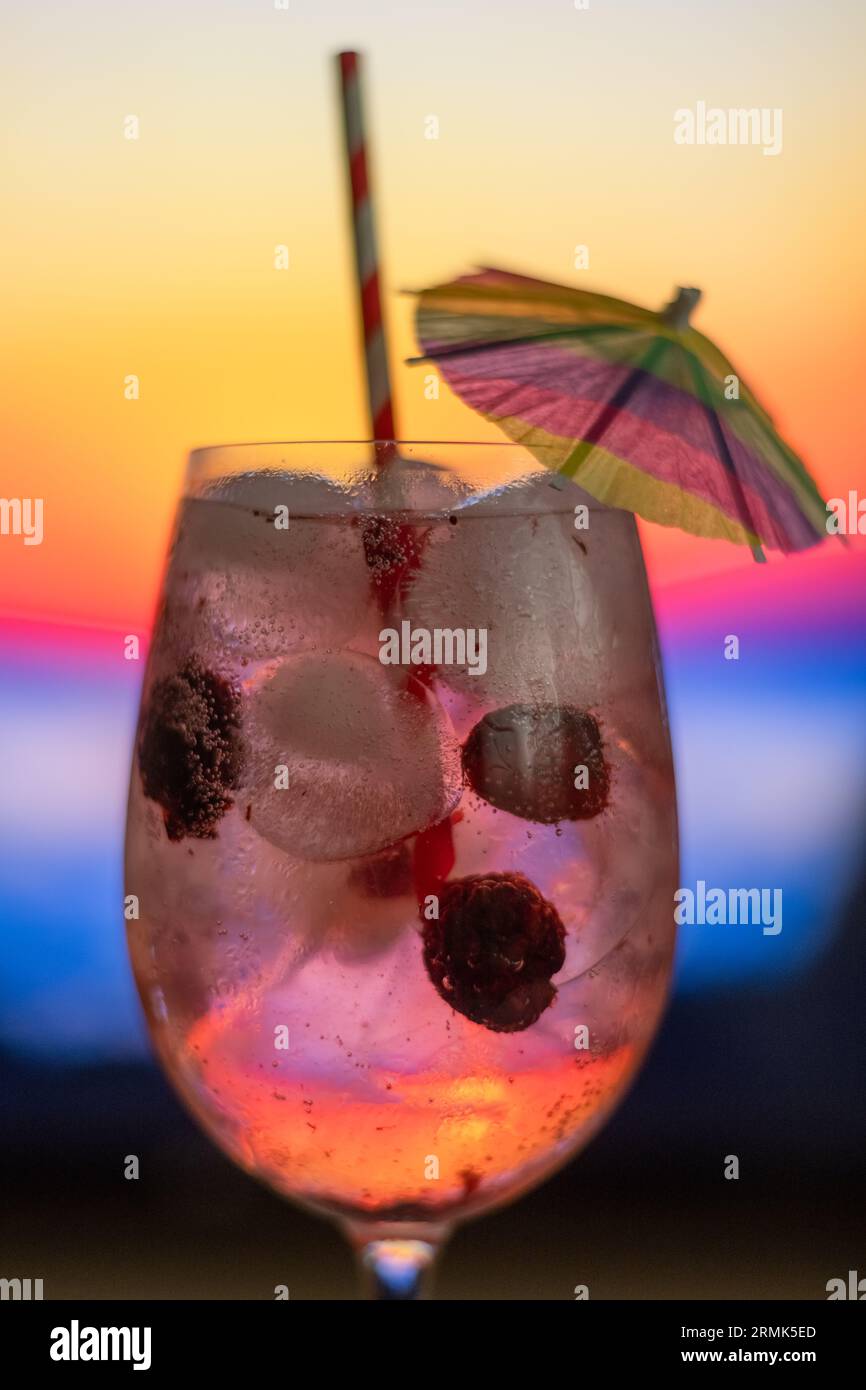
x: 606, y: 416
x: 725, y: 455
x: 608, y: 413
x: 586, y: 330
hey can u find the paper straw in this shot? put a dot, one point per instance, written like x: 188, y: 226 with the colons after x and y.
x: 366, y: 255
x: 379, y: 397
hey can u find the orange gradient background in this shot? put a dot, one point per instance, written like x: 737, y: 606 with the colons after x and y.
x: 155, y: 256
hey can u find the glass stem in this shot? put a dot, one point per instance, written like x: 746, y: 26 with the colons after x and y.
x: 397, y: 1268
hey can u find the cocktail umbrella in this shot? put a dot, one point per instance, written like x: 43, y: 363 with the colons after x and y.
x: 636, y: 405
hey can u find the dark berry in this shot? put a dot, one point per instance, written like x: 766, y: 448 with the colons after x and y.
x: 387, y: 874
x: 493, y: 950
x: 526, y: 759
x: 189, y: 749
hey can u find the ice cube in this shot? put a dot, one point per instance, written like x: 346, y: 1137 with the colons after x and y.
x: 246, y: 583
x: 408, y: 484
x: 253, y: 514
x: 535, y: 492
x: 519, y: 578
x: 347, y: 756
x: 564, y: 606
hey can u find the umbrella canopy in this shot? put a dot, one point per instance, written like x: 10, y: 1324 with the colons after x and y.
x: 636, y: 405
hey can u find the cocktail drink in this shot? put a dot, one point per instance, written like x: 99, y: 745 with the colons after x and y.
x: 402, y: 826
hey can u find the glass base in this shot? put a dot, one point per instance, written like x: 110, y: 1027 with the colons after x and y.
x: 397, y: 1269
x: 396, y: 1263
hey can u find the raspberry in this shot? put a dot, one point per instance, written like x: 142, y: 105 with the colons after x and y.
x: 189, y: 750
x: 524, y: 758
x: 493, y: 950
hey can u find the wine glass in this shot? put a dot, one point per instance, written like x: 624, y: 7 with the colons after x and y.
x: 402, y: 828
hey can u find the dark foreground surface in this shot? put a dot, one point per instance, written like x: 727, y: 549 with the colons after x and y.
x: 772, y: 1076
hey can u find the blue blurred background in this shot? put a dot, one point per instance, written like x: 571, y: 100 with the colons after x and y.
x: 771, y: 771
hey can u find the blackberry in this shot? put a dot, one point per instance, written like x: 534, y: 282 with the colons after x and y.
x: 493, y: 950
x: 189, y: 749
x: 523, y: 759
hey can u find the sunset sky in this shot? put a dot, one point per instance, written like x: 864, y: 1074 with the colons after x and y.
x: 155, y: 256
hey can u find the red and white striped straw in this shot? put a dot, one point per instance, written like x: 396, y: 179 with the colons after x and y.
x: 366, y: 254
